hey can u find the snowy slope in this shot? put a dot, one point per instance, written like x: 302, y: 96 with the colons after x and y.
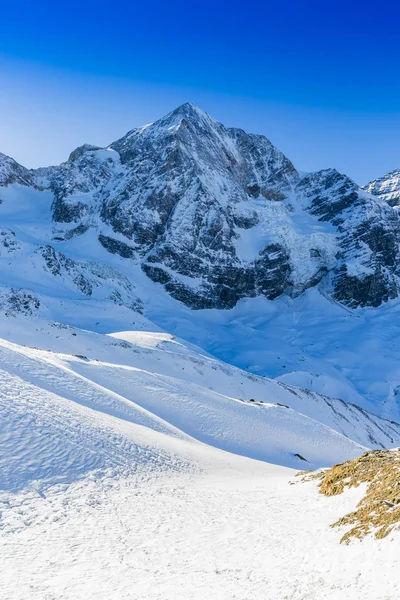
x: 235, y: 530
x: 114, y: 482
x: 308, y: 341
x: 85, y: 393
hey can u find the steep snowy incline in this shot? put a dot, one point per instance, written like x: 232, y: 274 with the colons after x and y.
x: 63, y: 447
x: 48, y: 439
x: 88, y: 401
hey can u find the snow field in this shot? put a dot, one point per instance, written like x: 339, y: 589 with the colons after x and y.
x: 235, y: 530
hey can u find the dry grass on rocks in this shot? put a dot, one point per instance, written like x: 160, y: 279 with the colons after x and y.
x: 378, y: 511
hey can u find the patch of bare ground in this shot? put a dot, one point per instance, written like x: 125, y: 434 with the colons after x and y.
x: 378, y: 511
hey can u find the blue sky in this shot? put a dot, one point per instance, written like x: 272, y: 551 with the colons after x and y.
x: 320, y: 79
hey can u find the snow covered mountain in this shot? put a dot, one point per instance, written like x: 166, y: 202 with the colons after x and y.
x: 216, y: 215
x: 187, y: 214
x: 184, y: 319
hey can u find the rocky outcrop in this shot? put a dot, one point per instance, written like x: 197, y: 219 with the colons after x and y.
x: 368, y: 236
x: 116, y: 246
x: 18, y: 301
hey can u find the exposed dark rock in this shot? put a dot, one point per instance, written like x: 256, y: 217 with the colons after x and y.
x: 18, y: 301
x: 272, y: 194
x: 76, y: 231
x: 370, y: 290
x: 57, y: 263
x: 81, y: 150
x: 116, y: 247
x: 63, y: 212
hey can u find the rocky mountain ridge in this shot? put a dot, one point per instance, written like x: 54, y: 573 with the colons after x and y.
x: 387, y: 187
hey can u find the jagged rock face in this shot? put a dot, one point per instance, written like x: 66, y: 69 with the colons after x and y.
x: 215, y: 215
x: 178, y: 190
x: 88, y: 277
x: 368, y: 236
x: 387, y: 188
x: 79, y: 184
x: 8, y: 242
x: 204, y: 175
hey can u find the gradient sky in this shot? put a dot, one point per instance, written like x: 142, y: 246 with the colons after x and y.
x: 318, y: 78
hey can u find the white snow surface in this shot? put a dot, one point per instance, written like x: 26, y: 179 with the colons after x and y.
x: 156, y: 381
x: 230, y: 529
x: 121, y: 475
x: 134, y: 462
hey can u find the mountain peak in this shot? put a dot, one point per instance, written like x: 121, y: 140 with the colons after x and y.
x: 189, y: 109
x: 187, y: 112
x: 81, y: 150
x: 6, y: 158
x: 12, y: 172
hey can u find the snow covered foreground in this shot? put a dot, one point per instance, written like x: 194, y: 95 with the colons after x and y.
x: 228, y: 528
x: 121, y: 475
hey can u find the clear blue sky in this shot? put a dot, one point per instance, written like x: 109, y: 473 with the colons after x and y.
x: 319, y: 78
